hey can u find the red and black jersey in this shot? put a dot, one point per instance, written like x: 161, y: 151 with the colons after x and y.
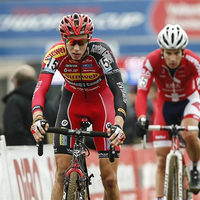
x: 94, y: 73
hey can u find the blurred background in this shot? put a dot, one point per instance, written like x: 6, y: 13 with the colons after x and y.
x: 29, y: 28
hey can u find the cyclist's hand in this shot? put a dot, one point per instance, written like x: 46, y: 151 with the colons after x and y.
x: 38, y: 129
x: 141, y: 126
x: 117, y: 137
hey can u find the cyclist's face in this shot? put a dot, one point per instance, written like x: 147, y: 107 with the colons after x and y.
x: 172, y: 57
x: 76, y: 45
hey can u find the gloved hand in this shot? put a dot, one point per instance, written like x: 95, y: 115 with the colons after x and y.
x: 37, y: 123
x: 141, y: 126
x: 118, y: 131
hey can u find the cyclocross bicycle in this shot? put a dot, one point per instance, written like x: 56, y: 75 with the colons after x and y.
x: 176, y: 172
x: 77, y: 179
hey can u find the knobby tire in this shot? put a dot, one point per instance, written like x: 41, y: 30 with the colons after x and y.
x: 72, y: 188
x: 172, y: 193
x: 73, y: 193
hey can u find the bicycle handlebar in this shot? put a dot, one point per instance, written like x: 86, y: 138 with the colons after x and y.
x: 168, y: 128
x: 172, y: 127
x: 77, y: 132
x: 70, y: 132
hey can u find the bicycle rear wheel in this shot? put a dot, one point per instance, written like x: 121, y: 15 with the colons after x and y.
x: 172, y: 193
x: 73, y: 192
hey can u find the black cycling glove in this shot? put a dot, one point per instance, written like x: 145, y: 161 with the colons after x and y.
x: 141, y: 126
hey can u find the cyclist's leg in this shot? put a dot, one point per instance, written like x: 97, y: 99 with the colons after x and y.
x: 161, y: 154
x: 109, y: 178
x: 62, y: 163
x: 162, y: 144
x: 191, y: 139
x: 62, y: 144
x: 191, y: 116
x: 104, y: 107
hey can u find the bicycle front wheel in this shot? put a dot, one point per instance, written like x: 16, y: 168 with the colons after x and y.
x: 74, y: 193
x: 172, y: 193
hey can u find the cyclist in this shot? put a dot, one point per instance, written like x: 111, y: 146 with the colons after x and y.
x: 93, y: 88
x: 176, y: 71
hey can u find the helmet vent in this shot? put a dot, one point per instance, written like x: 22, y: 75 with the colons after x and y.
x: 172, y: 38
x: 165, y: 40
x: 180, y: 40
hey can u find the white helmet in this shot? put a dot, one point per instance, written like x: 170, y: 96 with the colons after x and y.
x: 172, y: 37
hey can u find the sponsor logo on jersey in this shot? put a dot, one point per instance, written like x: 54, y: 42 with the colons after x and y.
x: 70, y: 70
x: 71, y: 65
x: 37, y: 88
x: 194, y: 61
x: 87, y: 60
x: 160, y: 137
x: 122, y: 110
x: 84, y: 76
x: 55, y: 52
x: 64, y: 122
x: 63, y: 140
x: 98, y: 49
x: 87, y: 65
x: 123, y: 90
x: 102, y: 51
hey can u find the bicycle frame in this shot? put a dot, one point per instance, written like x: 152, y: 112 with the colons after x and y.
x: 176, y: 152
x: 77, y: 172
x: 78, y: 163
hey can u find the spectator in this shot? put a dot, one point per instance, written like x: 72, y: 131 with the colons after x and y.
x: 17, y: 117
x: 131, y: 117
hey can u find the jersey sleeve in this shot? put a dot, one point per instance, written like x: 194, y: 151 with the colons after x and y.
x: 40, y: 92
x: 107, y: 62
x: 194, y: 62
x: 144, y: 85
x: 49, y: 67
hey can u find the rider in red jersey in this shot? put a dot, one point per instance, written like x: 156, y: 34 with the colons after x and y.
x: 176, y: 71
x: 93, y: 88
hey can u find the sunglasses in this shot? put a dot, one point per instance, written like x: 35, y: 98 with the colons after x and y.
x: 73, y: 42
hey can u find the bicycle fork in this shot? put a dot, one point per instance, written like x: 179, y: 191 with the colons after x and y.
x: 182, y: 169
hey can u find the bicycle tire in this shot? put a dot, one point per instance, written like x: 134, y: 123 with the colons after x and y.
x: 172, y: 193
x: 73, y: 193
x: 72, y: 188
